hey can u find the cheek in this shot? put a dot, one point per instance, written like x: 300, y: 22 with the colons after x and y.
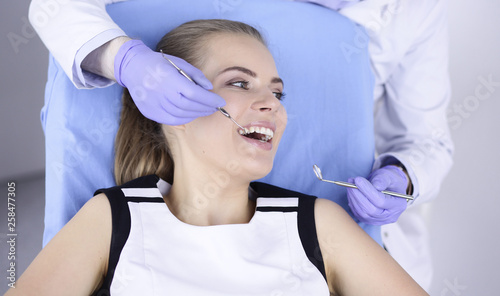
x: 215, y: 128
x: 235, y: 103
x: 282, y: 118
x: 281, y: 121
x: 203, y: 127
x: 222, y: 91
x: 236, y: 99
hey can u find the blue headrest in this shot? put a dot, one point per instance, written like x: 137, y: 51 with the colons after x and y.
x: 329, y: 100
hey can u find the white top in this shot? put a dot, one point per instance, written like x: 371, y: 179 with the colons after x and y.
x: 165, y: 256
x: 409, y: 56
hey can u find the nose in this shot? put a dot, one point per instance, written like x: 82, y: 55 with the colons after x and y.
x: 266, y: 102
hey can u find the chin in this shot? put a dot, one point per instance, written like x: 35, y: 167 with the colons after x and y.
x: 259, y: 170
x: 254, y: 163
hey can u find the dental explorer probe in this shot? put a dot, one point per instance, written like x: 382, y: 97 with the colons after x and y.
x: 222, y: 110
x: 317, y: 171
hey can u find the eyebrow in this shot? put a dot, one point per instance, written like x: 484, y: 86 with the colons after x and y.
x: 250, y: 73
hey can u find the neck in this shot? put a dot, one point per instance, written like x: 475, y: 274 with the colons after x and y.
x: 209, y: 197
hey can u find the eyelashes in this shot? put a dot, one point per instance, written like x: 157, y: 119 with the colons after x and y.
x: 243, y: 84
x: 279, y: 95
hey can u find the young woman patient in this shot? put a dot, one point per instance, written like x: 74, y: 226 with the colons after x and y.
x: 212, y: 231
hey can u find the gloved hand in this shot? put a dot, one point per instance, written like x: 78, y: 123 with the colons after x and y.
x: 160, y: 92
x: 371, y: 206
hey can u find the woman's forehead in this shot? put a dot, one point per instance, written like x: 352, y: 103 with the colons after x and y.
x: 227, y: 50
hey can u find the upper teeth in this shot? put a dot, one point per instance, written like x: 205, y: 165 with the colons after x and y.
x: 260, y: 130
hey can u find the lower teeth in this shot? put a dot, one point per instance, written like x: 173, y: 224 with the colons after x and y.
x: 263, y: 139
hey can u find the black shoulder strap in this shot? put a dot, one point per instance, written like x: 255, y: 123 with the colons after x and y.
x: 306, y: 222
x: 121, y: 223
x: 148, y: 181
x: 120, y: 231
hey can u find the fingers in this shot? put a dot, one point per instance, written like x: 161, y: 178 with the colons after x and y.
x: 183, y: 108
x: 371, y: 193
x: 158, y: 89
x: 173, y: 108
x: 362, y: 209
x: 389, y: 178
x: 177, y: 111
x: 380, y: 181
x: 371, y: 206
x: 164, y: 95
x: 193, y: 72
x: 196, y: 95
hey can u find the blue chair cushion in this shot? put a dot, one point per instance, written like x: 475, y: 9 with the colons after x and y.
x: 329, y: 102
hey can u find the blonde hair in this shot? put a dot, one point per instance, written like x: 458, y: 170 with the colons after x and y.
x: 141, y: 147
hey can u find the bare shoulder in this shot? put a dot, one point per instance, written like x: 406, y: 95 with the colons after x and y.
x: 331, y: 216
x: 325, y: 206
x: 95, y: 213
x: 75, y: 261
x: 352, y: 257
x: 335, y: 228
x: 94, y: 216
x: 98, y: 204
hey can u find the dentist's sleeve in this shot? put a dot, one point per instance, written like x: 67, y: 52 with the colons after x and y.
x: 410, y: 123
x: 73, y: 29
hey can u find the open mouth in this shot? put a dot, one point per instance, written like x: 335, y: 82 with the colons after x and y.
x: 262, y: 134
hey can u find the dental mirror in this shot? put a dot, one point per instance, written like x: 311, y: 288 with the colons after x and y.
x: 317, y: 171
x: 225, y: 113
x: 319, y: 175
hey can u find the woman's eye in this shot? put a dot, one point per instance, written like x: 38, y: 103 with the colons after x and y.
x: 240, y: 84
x: 279, y: 95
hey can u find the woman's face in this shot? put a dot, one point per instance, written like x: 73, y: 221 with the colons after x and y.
x: 242, y: 72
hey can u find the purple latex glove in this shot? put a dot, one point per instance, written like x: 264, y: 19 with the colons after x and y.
x: 371, y: 206
x: 159, y: 91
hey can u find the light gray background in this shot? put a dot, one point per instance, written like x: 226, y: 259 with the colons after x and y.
x: 465, y: 235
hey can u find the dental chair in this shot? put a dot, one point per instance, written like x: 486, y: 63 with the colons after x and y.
x: 328, y: 83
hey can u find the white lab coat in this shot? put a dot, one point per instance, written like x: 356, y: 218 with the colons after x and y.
x: 408, y: 49
x: 409, y: 55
